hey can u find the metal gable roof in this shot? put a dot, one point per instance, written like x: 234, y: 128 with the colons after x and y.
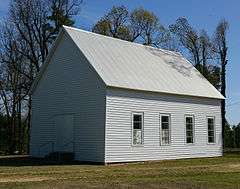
x: 134, y: 66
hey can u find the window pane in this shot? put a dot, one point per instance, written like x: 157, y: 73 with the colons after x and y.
x: 210, y: 121
x: 165, y: 119
x: 137, y: 125
x: 211, y: 133
x: 137, y: 137
x: 165, y: 140
x: 189, y: 126
x: 189, y: 140
x: 165, y: 126
x: 211, y: 139
x: 189, y: 119
x: 210, y: 127
x: 189, y: 133
x: 137, y: 117
x: 165, y: 133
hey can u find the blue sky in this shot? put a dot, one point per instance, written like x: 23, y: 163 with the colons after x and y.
x: 202, y: 14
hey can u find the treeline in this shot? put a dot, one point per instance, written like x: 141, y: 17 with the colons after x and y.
x: 32, y: 25
x: 232, y: 136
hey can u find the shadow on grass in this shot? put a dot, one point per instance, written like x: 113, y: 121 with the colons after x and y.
x: 25, y: 160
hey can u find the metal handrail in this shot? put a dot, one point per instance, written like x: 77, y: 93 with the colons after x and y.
x: 44, y: 144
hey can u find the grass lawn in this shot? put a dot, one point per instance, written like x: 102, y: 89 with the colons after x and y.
x: 220, y: 172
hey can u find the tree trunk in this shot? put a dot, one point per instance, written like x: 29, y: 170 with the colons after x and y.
x: 223, y: 92
x: 29, y: 123
x: 204, y: 60
x: 20, y: 135
x: 13, y: 126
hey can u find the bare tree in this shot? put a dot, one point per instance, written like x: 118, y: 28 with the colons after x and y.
x: 206, y: 52
x: 26, y: 38
x: 200, y: 48
x: 166, y: 40
x: 11, y: 83
x: 188, y: 38
x: 220, y: 44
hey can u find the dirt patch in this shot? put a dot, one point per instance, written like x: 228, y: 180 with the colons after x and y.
x: 237, y: 165
x: 30, y: 179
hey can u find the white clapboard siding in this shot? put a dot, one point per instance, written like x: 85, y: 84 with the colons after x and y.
x: 69, y: 86
x: 121, y: 103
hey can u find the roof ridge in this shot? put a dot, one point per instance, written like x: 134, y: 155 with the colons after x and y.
x: 121, y: 40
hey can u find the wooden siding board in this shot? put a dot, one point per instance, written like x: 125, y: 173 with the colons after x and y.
x: 121, y: 103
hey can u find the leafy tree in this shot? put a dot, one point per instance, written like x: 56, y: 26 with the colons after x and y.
x: 117, y: 18
x: 114, y: 24
x: 236, y: 130
x: 102, y: 27
x: 232, y: 136
x: 145, y: 24
x: 228, y: 136
x: 61, y: 13
x: 139, y: 25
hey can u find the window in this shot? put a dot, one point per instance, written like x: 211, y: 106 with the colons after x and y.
x: 164, y: 129
x: 189, y: 121
x: 137, y: 132
x: 211, y: 129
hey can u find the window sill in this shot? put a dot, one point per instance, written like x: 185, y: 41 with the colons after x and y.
x: 190, y: 144
x: 211, y: 143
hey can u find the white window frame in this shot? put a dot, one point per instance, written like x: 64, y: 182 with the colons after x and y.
x: 193, y: 128
x: 214, y: 130
x: 142, y: 129
x: 160, y: 128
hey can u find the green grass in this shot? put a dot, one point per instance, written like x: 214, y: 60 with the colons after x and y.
x: 220, y: 172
